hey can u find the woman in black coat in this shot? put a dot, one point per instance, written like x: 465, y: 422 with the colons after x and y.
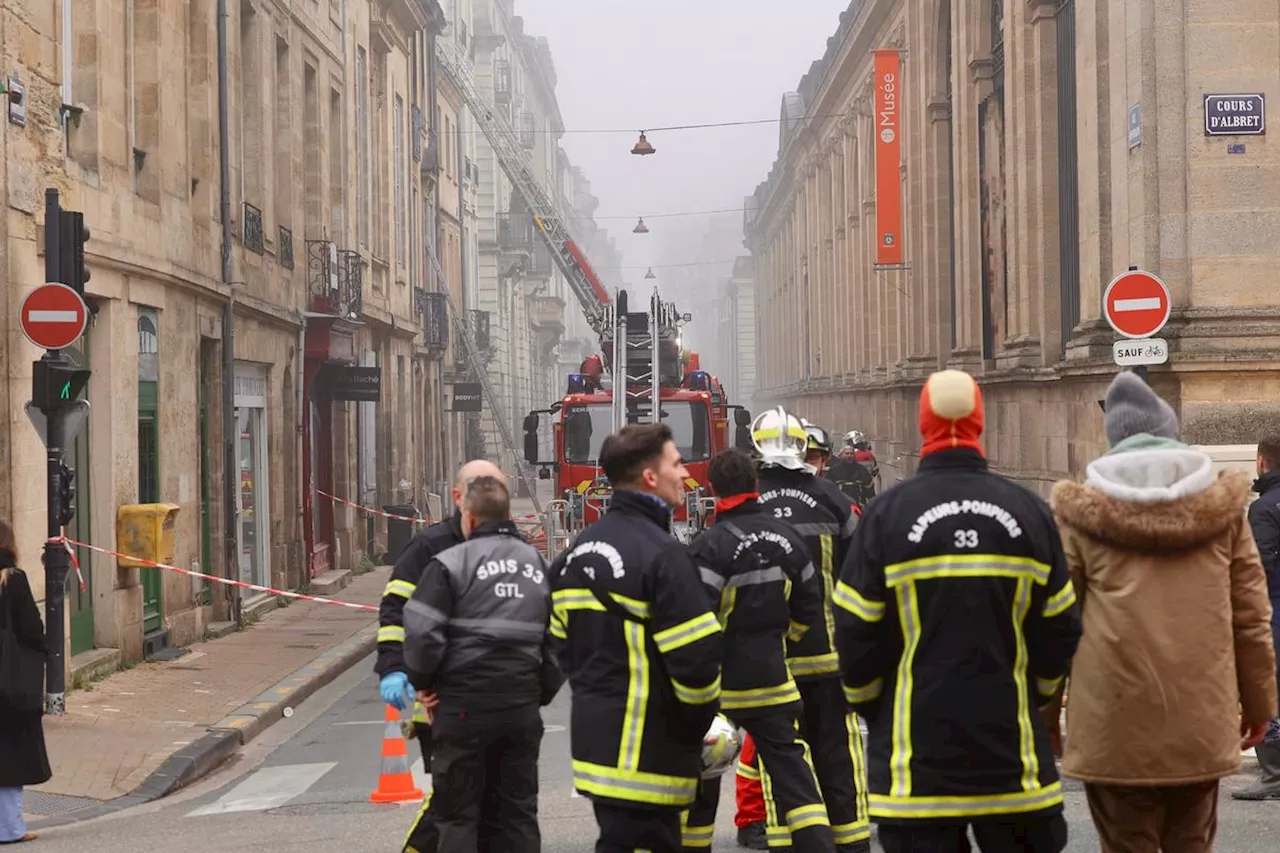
x: 23, y: 760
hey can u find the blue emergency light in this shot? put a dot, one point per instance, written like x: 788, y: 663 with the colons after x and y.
x: 577, y: 383
x: 700, y: 380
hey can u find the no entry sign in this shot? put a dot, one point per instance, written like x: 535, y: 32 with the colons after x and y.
x: 53, y: 316
x: 1136, y: 304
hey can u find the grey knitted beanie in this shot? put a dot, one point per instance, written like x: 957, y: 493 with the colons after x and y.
x: 1132, y: 408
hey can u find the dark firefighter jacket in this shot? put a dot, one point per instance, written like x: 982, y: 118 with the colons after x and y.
x: 854, y: 479
x: 642, y: 650
x: 820, y: 513
x: 955, y: 620
x: 765, y: 591
x: 1264, y: 521
x: 422, y: 549
x: 476, y: 627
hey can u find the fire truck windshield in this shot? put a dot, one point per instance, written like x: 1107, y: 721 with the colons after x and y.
x: 689, y: 423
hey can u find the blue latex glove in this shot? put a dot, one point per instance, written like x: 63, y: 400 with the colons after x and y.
x: 395, y: 690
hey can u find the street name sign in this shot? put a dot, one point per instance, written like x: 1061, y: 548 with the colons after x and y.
x: 1136, y: 303
x: 1235, y: 115
x: 54, y: 316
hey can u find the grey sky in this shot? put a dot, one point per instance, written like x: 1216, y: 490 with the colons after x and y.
x: 650, y: 63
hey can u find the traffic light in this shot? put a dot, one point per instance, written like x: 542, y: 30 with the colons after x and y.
x: 66, y: 494
x: 55, y: 383
x: 72, y: 235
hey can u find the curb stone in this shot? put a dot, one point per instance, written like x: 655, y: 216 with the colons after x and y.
x: 221, y: 740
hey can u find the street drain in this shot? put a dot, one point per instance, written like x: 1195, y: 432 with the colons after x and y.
x: 302, y: 646
x: 320, y: 809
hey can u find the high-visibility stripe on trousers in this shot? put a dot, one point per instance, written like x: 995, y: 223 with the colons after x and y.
x: 835, y: 743
x: 794, y: 810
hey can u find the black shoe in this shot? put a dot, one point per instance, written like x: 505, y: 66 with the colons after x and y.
x: 753, y: 836
x: 856, y: 847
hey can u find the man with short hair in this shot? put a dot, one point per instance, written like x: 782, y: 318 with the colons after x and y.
x: 478, y: 652
x: 641, y: 647
x: 405, y: 575
x: 758, y: 574
x: 1264, y: 520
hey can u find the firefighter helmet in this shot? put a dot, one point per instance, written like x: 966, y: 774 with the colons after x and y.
x: 856, y: 438
x: 818, y: 440
x: 720, y: 747
x: 780, y: 438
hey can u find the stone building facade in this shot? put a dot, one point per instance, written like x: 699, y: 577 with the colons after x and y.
x: 1046, y: 147
x: 328, y: 122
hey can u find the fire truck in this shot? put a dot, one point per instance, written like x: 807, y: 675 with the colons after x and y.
x: 642, y: 362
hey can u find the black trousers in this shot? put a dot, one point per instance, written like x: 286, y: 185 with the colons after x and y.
x: 624, y: 829
x: 1011, y: 834
x: 422, y: 734
x: 835, y: 742
x: 484, y: 776
x: 795, y: 811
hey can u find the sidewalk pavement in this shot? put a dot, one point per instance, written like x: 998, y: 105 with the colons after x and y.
x: 143, y: 733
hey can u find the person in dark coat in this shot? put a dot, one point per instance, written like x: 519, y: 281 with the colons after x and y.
x: 23, y: 760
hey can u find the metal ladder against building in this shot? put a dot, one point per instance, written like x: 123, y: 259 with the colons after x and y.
x: 549, y: 222
x: 462, y: 329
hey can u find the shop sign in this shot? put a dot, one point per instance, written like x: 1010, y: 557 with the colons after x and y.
x: 467, y: 397
x: 353, y: 384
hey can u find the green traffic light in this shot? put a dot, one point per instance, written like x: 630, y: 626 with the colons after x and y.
x: 66, y: 391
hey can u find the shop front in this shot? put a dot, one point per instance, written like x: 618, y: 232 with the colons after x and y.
x: 253, y: 495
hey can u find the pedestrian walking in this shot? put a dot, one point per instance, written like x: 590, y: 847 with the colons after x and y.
x: 955, y: 619
x: 641, y: 648
x: 1177, y: 630
x: 477, y: 651
x: 23, y: 760
x: 405, y: 575
x: 791, y: 491
x: 758, y: 575
x: 1264, y: 522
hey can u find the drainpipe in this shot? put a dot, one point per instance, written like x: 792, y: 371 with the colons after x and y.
x: 464, y: 423
x: 230, y: 481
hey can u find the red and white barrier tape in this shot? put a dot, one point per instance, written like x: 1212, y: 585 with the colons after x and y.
x: 372, y: 511
x: 75, y: 561
x: 194, y: 574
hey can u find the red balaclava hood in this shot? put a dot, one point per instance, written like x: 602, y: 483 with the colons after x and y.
x: 950, y: 412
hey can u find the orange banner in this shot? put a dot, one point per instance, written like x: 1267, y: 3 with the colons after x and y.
x: 888, y: 123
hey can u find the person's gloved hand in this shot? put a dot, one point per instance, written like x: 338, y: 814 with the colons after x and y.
x: 395, y: 690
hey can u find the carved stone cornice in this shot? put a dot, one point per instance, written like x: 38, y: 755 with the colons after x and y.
x: 939, y: 110
x: 849, y: 122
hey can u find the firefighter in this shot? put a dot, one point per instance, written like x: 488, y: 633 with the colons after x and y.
x: 820, y: 513
x: 762, y: 583
x: 817, y: 453
x: 955, y: 617
x: 641, y: 647
x: 852, y: 472
x: 405, y: 575
x: 477, y: 651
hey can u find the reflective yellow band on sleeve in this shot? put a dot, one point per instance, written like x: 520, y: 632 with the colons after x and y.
x: 557, y: 627
x: 697, y: 837
x: 759, y: 697
x: 796, y: 632
x: 849, y: 599
x: 634, y: 786
x: 1048, y: 687
x: 865, y: 693
x: 403, y: 589
x: 697, y: 695
x: 803, y: 817
x: 391, y: 634
x: 1060, y: 602
x: 851, y: 833
x: 816, y: 665
x: 746, y: 771
x: 679, y: 636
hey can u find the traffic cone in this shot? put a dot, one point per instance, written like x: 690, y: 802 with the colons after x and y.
x: 395, y: 782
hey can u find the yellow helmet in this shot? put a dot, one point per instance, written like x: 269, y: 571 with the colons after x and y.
x: 780, y: 438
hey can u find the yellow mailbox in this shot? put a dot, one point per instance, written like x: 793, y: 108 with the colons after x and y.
x: 145, y: 531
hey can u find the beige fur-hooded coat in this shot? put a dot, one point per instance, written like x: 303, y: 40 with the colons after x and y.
x: 1177, y: 633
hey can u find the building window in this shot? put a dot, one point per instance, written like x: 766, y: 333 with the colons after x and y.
x: 148, y: 407
x: 402, y: 255
x: 362, y: 146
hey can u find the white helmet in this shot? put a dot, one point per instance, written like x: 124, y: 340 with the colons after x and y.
x: 720, y: 747
x: 780, y: 438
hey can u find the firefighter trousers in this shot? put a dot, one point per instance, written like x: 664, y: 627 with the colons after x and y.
x: 792, y: 802
x: 422, y: 734
x: 835, y: 741
x: 1000, y: 834
x: 484, y: 774
x: 625, y: 829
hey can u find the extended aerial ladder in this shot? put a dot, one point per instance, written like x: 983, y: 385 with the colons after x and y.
x: 547, y: 218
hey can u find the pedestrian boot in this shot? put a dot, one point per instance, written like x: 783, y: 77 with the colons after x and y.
x: 1268, y: 787
x: 753, y: 836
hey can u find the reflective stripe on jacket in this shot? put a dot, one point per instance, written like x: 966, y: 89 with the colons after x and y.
x: 422, y: 549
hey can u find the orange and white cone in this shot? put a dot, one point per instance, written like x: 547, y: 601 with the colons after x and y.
x: 395, y: 782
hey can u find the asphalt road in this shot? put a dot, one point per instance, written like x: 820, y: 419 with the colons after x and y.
x: 304, y: 786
